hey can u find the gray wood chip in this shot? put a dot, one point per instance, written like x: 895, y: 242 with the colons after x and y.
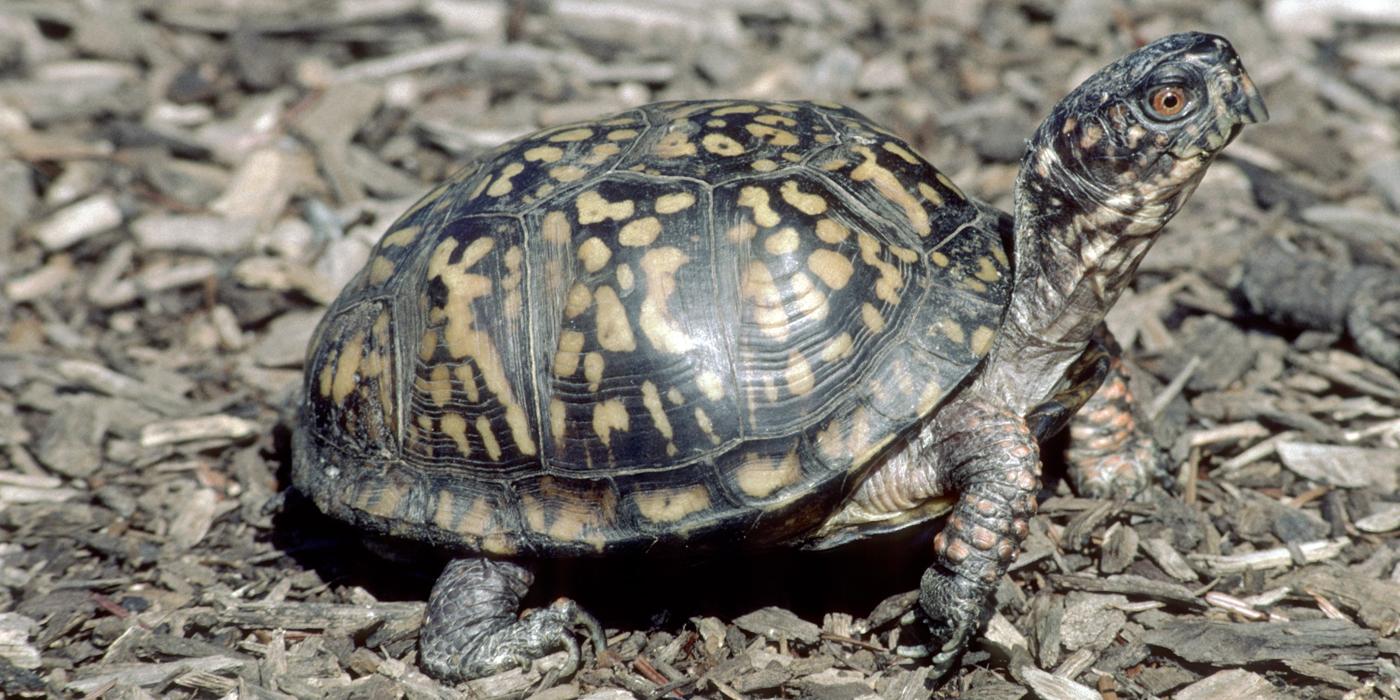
x: 1347, y: 467
x: 1235, y: 683
x: 776, y: 623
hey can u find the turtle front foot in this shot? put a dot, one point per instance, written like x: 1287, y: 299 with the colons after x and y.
x: 471, y: 629
x: 953, y: 608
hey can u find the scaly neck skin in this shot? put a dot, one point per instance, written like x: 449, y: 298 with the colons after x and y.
x: 1073, y: 258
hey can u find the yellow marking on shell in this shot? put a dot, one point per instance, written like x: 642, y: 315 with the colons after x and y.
x: 900, y: 151
x: 557, y: 424
x: 380, y: 269
x: 805, y: 202
x: 758, y: 476
x: 798, y: 375
x: 327, y: 374
x: 888, y: 286
x: 758, y: 287
x: 702, y: 419
x: 823, y: 138
x: 675, y: 144
x: 347, y: 367
x: 593, y: 366
x: 831, y: 231
x: 443, y: 515
x: 943, y: 180
x: 1000, y: 255
x: 555, y: 228
x: 742, y: 232
x: 382, y: 501
x: 986, y: 271
x: 737, y: 109
x: 488, y: 438
x: 428, y: 345
x: 567, y: 173
x: 833, y: 268
x: 938, y: 259
x: 929, y: 397
x: 592, y: 208
x: 502, y: 185
x: 775, y: 120
x: 671, y: 505
x: 455, y: 426
x: 578, y: 301
x: 578, y: 134
x: 721, y: 145
x: 791, y: 157
x: 625, y: 279
x: 544, y: 154
x: 480, y: 187
x: 834, y: 164
x: 594, y: 254
x: 982, y: 338
x: 709, y: 384
x: 674, y: 202
x: 464, y: 340
x: 639, y: 232
x: 622, y: 134
x: 544, y: 190
x: 401, y: 237
x: 975, y: 285
x: 601, y: 152
x: 931, y: 194
x: 467, y: 377
x: 566, y: 359
x: 674, y: 396
x: 514, y: 258
x: 764, y: 165
x: 782, y: 242
x: 807, y: 300
x: 890, y: 188
x: 953, y: 330
x: 614, y: 328
x: 907, y: 255
x: 609, y: 416
x: 651, y: 398
x: 660, y: 266
x: 775, y: 136
x: 871, y: 317
x: 756, y: 198
x: 440, y: 385
x: 838, y: 348
x: 781, y: 107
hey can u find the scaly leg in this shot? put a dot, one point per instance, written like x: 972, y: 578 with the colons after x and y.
x: 471, y: 629
x: 992, y: 462
x: 1111, y: 451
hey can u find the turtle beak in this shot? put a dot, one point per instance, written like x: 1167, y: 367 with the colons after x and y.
x: 1248, y: 104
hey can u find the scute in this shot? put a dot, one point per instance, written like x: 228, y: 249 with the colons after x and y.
x: 688, y: 319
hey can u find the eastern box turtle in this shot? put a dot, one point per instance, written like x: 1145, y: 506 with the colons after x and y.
x: 739, y: 323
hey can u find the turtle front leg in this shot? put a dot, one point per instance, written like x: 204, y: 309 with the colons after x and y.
x: 1111, y: 451
x: 989, y: 457
x: 471, y: 628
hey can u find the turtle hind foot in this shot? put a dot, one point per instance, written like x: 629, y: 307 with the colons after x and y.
x: 471, y: 628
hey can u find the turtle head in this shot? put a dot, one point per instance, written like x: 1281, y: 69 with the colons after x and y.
x: 1134, y: 139
x: 1102, y: 175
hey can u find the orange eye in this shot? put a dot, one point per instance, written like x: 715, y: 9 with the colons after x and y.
x: 1168, y: 101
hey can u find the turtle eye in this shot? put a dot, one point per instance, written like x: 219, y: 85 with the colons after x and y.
x: 1168, y: 101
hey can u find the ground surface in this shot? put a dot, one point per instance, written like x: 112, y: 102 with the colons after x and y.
x: 183, y: 186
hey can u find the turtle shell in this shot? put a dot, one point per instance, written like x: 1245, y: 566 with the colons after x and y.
x: 689, y: 320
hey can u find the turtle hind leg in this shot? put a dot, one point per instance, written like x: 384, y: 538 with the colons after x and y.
x: 1111, y: 450
x: 472, y: 630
